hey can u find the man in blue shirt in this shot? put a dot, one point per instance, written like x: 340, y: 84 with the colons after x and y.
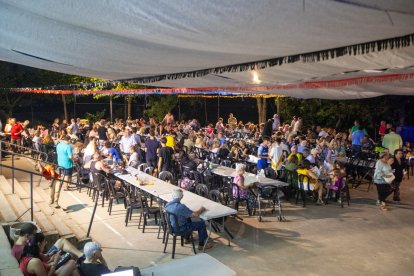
x: 65, y: 160
x: 184, y: 215
x: 357, y: 137
x: 263, y: 154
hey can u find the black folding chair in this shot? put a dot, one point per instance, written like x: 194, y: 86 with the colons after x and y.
x: 175, y: 233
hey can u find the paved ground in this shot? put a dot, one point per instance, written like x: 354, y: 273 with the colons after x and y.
x: 316, y: 240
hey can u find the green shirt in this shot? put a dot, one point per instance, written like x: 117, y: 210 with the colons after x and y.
x: 392, y: 141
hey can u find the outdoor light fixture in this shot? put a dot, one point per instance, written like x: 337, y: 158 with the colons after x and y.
x: 256, y: 77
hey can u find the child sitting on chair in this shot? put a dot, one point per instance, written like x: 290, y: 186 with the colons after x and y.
x: 240, y: 191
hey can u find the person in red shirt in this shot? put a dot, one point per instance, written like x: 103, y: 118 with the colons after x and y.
x: 382, y: 129
x: 15, y: 133
x: 48, y: 172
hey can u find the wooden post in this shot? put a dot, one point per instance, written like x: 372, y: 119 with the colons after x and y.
x: 65, y: 110
x: 110, y: 107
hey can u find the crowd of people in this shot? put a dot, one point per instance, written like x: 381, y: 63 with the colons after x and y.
x: 161, y: 144
x: 272, y: 148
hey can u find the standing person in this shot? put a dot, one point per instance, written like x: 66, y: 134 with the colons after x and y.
x: 263, y: 154
x: 165, y: 157
x: 356, y: 138
x: 268, y: 128
x: 102, y: 133
x: 276, y: 123
x: 398, y: 166
x: 355, y: 127
x: 168, y: 119
x: 220, y: 125
x: 48, y: 171
x: 276, y: 154
x: 126, y: 142
x: 382, y: 128
x: 232, y: 121
x: 298, y: 125
x: 383, y: 170
x: 15, y: 133
x: 184, y: 215
x: 392, y: 140
x: 65, y: 160
x: 151, y: 148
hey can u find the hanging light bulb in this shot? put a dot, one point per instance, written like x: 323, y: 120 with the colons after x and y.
x: 256, y: 77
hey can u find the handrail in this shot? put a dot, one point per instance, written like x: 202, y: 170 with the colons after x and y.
x: 52, y: 177
x: 31, y: 150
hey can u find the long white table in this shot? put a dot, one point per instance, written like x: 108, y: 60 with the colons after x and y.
x: 164, y: 190
x: 198, y: 265
x: 251, y: 180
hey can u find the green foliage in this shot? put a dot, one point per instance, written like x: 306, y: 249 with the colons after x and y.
x: 92, y: 118
x: 340, y: 114
x: 160, y: 105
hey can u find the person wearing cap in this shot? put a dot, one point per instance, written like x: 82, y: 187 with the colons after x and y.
x: 184, y: 215
x: 28, y: 229
x: 383, y: 170
x: 65, y: 160
x: 94, y: 264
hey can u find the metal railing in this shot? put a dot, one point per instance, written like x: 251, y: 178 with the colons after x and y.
x: 21, y: 150
x: 13, y: 154
x: 78, y: 185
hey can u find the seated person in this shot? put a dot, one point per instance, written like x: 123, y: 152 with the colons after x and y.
x: 312, y: 172
x: 94, y: 264
x: 33, y: 262
x: 29, y: 229
x: 184, y: 215
x: 112, y: 152
x: 135, y: 156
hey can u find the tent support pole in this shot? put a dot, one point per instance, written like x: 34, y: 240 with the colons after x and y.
x: 218, y: 107
x: 179, y: 109
x: 110, y: 107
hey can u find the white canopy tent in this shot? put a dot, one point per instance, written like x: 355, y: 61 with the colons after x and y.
x: 157, y: 40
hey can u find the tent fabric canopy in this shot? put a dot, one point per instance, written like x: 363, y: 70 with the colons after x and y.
x: 130, y: 39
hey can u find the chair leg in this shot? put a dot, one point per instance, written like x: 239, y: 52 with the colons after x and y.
x: 166, y: 242
x: 144, y: 224
x: 174, y: 244
x: 140, y: 219
x: 303, y: 195
x: 192, y: 242
x: 126, y: 217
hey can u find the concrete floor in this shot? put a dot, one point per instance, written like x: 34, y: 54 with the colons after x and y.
x: 316, y: 240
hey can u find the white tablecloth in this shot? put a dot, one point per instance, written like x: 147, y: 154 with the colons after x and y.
x: 198, y: 265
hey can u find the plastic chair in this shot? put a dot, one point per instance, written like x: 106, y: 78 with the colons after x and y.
x: 132, y: 203
x: 146, y: 211
x: 202, y: 190
x: 166, y: 176
x: 174, y: 233
x: 114, y: 194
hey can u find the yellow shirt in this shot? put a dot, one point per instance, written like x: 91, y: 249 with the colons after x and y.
x: 298, y: 155
x: 170, y: 141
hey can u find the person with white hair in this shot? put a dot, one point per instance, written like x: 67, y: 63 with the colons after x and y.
x: 94, y: 264
x: 185, y: 224
x: 240, y: 191
x: 276, y: 123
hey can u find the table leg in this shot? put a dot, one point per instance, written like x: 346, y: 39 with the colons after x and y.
x: 209, y: 234
x: 279, y: 205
